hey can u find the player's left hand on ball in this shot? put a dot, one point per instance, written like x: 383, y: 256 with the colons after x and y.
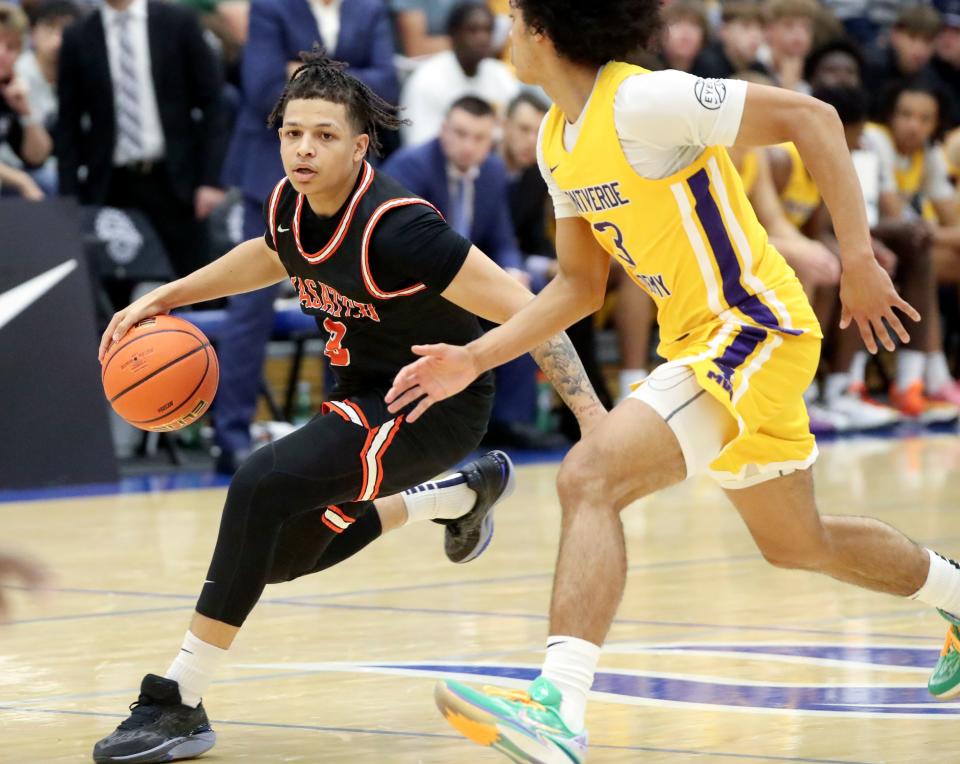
x: 869, y: 298
x: 443, y: 370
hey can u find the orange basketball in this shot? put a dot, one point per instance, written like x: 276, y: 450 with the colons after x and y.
x: 161, y: 375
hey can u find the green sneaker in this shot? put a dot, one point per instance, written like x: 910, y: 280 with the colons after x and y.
x: 525, y: 727
x: 944, y: 683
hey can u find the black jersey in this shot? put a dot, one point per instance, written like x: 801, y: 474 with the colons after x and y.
x: 372, y: 276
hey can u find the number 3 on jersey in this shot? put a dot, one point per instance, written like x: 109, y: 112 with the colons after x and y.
x: 338, y: 355
x: 617, y: 241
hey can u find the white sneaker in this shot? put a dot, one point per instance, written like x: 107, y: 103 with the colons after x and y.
x: 823, y: 420
x: 862, y: 415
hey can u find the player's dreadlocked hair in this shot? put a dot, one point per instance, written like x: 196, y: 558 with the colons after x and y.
x: 593, y: 33
x: 323, y: 78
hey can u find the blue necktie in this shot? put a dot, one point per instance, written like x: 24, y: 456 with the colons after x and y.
x: 460, y: 217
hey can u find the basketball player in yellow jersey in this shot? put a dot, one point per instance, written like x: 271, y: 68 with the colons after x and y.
x: 634, y: 163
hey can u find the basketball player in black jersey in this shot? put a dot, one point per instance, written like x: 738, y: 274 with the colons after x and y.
x: 382, y: 272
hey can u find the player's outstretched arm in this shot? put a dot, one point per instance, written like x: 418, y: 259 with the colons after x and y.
x: 248, y: 266
x: 528, y: 324
x: 774, y: 115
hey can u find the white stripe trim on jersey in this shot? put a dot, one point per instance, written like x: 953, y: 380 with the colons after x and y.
x: 696, y: 241
x: 713, y: 351
x: 365, y: 244
x: 772, y: 342
x: 334, y: 519
x: 350, y: 413
x: 345, y: 220
x: 371, y: 457
x: 746, y: 255
x: 274, y: 201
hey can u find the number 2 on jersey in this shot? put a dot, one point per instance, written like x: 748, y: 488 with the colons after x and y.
x: 617, y: 242
x: 338, y: 355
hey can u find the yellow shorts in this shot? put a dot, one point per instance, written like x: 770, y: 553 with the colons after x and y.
x: 759, y: 376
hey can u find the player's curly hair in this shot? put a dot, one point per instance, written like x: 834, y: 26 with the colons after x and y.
x: 323, y: 78
x: 593, y: 33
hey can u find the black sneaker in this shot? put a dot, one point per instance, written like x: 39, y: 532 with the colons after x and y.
x: 492, y: 477
x: 159, y: 728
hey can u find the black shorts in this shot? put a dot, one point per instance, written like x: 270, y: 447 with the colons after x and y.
x: 373, y: 453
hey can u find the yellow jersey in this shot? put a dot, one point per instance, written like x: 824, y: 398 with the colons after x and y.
x: 728, y: 305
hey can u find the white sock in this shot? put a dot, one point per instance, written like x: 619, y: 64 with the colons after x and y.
x: 937, y: 373
x: 942, y: 587
x: 445, y: 499
x: 835, y: 386
x: 910, y: 365
x: 629, y: 378
x: 194, y: 667
x: 570, y: 664
x: 858, y: 368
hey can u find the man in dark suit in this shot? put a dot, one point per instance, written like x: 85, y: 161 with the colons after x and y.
x: 357, y: 32
x: 467, y: 181
x: 140, y: 120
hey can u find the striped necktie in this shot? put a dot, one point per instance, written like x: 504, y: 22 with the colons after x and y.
x: 127, y: 94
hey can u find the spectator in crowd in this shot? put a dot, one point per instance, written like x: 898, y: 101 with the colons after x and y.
x: 467, y: 69
x: 532, y: 212
x: 946, y: 61
x: 467, y: 181
x: 354, y: 31
x: 37, y: 68
x: 838, y: 66
x: 685, y: 33
x: 422, y: 27
x: 903, y: 248
x: 789, y: 36
x: 528, y: 191
x: 20, y: 128
x: 925, y: 197
x: 130, y: 139
x: 837, y: 63
x: 738, y: 42
x: 911, y: 48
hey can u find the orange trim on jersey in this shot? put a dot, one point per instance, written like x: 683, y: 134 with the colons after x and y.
x: 346, y: 518
x: 274, y: 203
x: 337, y: 239
x: 359, y: 411
x: 326, y: 408
x: 381, y: 452
x: 368, y: 281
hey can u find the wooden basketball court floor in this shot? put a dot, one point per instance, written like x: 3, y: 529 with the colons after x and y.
x: 714, y: 656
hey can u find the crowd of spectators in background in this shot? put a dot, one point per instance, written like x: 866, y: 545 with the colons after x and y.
x: 159, y: 108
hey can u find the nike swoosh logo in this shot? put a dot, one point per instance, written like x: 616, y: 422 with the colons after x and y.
x: 554, y: 167
x: 281, y: 229
x: 14, y: 301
